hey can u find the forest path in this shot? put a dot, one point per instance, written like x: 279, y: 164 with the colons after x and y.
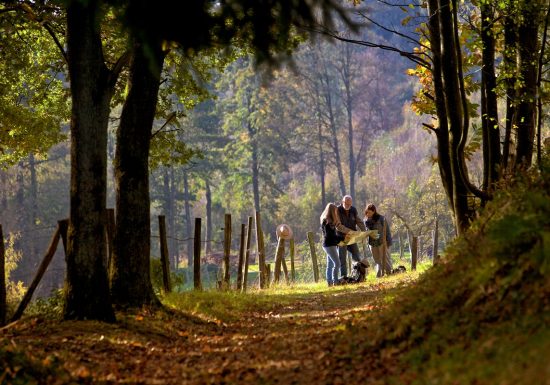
x: 302, y: 342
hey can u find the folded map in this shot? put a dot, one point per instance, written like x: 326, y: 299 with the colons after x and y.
x: 358, y: 236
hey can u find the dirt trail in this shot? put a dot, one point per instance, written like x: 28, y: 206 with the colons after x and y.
x: 297, y: 344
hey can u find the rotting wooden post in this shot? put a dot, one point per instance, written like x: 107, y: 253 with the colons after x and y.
x: 164, y: 255
x: 261, y: 250
x: 197, y: 255
x: 278, y: 256
x: 110, y: 232
x: 247, y: 252
x: 226, y: 250
x: 283, y: 263
x: 291, y: 252
x: 268, y: 274
x: 41, y: 270
x: 241, y: 258
x: 313, y: 256
x: 435, y: 245
x: 414, y: 251
x: 3, y: 302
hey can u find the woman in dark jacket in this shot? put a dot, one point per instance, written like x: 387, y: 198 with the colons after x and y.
x: 330, y: 223
x: 379, y: 247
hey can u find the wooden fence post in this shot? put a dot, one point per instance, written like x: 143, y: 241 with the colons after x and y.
x: 414, y: 251
x: 267, y: 274
x: 164, y: 255
x: 197, y: 255
x: 278, y: 256
x: 41, y: 270
x: 283, y: 263
x: 226, y: 250
x: 261, y: 250
x: 241, y: 258
x: 292, y: 270
x: 3, y: 300
x: 247, y: 253
x: 313, y: 256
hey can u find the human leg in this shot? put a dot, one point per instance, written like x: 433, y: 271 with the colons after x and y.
x: 355, y: 253
x: 342, y: 253
x: 333, y: 264
x: 387, y: 262
x: 377, y: 255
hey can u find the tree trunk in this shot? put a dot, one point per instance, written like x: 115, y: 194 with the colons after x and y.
x: 489, y: 109
x: 130, y: 279
x: 334, y: 138
x: 442, y: 132
x: 188, y: 219
x: 87, y: 288
x: 171, y: 215
x: 322, y: 170
x: 452, y: 115
x: 508, y: 58
x: 255, y: 171
x: 208, y: 233
x: 346, y: 80
x: 525, y: 119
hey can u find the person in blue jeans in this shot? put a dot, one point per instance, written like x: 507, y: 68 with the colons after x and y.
x: 333, y: 233
x: 349, y: 217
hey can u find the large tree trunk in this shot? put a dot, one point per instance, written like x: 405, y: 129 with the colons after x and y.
x: 87, y: 289
x: 442, y: 132
x: 130, y: 271
x: 525, y: 119
x: 489, y: 110
x: 449, y: 105
x: 508, y: 62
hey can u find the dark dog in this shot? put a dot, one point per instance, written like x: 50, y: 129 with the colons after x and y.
x: 399, y: 269
x: 358, y: 274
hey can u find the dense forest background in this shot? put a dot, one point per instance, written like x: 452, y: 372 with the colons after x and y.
x: 230, y: 137
x: 284, y: 142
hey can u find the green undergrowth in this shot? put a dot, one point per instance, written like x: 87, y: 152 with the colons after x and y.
x: 481, y: 316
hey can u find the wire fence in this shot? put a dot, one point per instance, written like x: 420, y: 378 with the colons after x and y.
x: 211, y: 263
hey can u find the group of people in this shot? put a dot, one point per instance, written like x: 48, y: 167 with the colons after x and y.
x: 337, y: 222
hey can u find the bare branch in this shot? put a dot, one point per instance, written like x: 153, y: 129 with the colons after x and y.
x: 170, y: 117
x: 414, y: 57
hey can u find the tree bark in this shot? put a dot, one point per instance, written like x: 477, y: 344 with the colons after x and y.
x: 525, y: 119
x: 489, y: 109
x: 130, y: 279
x: 508, y: 58
x: 87, y: 289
